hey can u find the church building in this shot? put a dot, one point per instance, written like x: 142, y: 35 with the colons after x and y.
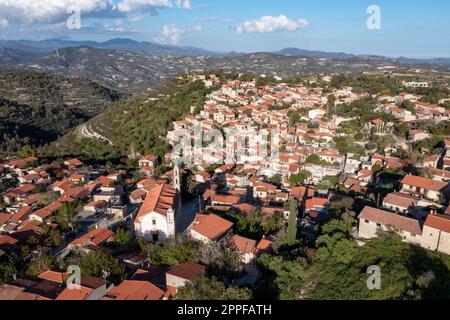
x: 155, y: 221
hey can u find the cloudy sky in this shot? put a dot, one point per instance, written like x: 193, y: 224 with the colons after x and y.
x: 408, y: 28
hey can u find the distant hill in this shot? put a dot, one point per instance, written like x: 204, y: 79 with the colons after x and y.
x: 36, y: 108
x: 315, y: 54
x: 10, y: 56
x: 133, y: 73
x: 122, y: 71
x: 130, y: 66
x: 146, y: 48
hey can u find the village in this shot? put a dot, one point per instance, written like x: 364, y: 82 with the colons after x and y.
x: 63, y: 208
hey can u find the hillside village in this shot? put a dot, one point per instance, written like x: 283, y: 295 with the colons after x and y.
x: 337, y: 152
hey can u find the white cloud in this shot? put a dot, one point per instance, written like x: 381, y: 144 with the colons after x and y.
x: 138, y: 5
x: 29, y: 11
x: 4, y: 23
x: 185, y: 4
x: 51, y: 11
x: 271, y: 24
x: 171, y: 34
x: 205, y: 19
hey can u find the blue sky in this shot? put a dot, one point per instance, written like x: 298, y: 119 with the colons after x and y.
x: 408, y: 28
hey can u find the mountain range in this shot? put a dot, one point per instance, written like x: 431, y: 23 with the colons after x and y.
x: 128, y: 70
x: 145, y: 48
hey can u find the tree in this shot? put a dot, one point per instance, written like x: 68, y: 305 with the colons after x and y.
x: 175, y: 251
x: 292, y: 222
x: 122, y: 237
x: 66, y: 215
x: 97, y: 264
x: 289, y: 276
x: 331, y: 104
x: 250, y: 225
x: 300, y: 178
x: 7, y: 270
x: 220, y: 261
x: 204, y: 288
x: 294, y: 118
x: 272, y: 224
x: 51, y: 237
x: 40, y: 264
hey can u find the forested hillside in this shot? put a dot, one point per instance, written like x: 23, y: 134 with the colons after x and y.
x: 138, y: 124
x: 36, y: 108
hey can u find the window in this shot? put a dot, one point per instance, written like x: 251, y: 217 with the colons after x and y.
x: 366, y: 221
x: 378, y: 225
x: 154, y: 222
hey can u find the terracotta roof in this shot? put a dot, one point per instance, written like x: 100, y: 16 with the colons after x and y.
x: 74, y: 162
x: 245, y: 208
x: 401, y: 199
x: 439, y: 222
x: 207, y: 194
x: 6, y: 241
x: 48, y: 210
x: 75, y: 294
x: 231, y: 200
x: 134, y: 290
x: 160, y: 199
x: 77, y: 193
x: 187, y: 271
x: 424, y: 183
x: 4, y: 218
x: 211, y: 226
x: 55, y: 276
x: 23, y: 189
x: 263, y: 245
x: 316, y: 202
x: 147, y: 184
x: 22, y: 214
x: 243, y: 245
x: 390, y: 219
x: 300, y: 191
x: 95, y: 237
x: 137, y: 194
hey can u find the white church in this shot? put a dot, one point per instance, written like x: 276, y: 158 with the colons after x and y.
x: 155, y: 221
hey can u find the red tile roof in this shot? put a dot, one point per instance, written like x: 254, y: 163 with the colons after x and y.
x: 242, y: 244
x: 82, y: 293
x: 390, y: 219
x: 95, y: 237
x: 401, y: 200
x: 211, y: 226
x: 222, y: 199
x: 439, y: 222
x: 160, y: 199
x: 7, y: 241
x: 55, y: 276
x: 187, y: 271
x: 134, y: 290
x: 424, y: 183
